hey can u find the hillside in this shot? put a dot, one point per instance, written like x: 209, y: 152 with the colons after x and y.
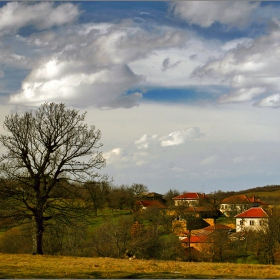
x: 56, y: 267
x: 269, y: 194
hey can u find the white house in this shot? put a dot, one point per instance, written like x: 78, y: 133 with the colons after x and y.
x: 254, y: 218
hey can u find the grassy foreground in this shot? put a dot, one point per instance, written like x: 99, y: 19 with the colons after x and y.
x: 29, y: 266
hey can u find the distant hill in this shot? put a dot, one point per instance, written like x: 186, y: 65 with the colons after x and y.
x: 269, y: 194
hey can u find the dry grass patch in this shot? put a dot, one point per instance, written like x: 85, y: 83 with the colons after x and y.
x: 29, y: 266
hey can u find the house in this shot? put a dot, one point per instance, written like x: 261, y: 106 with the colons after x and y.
x: 218, y: 227
x: 190, y: 199
x: 254, y: 218
x: 203, y: 242
x: 144, y: 204
x: 237, y: 204
x: 151, y: 196
x: 197, y: 246
x: 204, y: 212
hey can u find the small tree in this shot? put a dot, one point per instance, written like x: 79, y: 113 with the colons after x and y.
x: 50, y: 153
x: 139, y: 189
x: 169, y: 195
x: 97, y: 194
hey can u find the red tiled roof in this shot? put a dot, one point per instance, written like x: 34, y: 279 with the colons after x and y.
x: 254, y: 212
x: 150, y: 203
x: 190, y: 196
x: 196, y: 239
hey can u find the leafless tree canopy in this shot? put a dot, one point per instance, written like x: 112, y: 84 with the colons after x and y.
x: 50, y: 152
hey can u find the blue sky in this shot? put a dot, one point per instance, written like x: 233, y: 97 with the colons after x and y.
x: 186, y: 93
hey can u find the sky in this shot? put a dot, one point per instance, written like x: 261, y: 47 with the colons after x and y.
x: 185, y: 93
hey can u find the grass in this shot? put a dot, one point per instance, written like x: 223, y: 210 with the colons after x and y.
x: 29, y: 266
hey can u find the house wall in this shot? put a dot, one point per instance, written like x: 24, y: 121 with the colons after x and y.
x: 247, y: 224
x: 233, y: 209
x: 186, y: 202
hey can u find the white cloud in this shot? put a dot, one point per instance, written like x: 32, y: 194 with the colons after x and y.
x: 89, y: 64
x: 242, y: 94
x: 179, y: 137
x: 205, y: 13
x: 69, y: 82
x: 251, y: 70
x: 148, y: 148
x: 146, y: 141
x: 173, y: 66
x: 15, y: 15
x: 113, y: 156
x: 270, y: 101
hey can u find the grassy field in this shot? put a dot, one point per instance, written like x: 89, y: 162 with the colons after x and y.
x: 29, y: 266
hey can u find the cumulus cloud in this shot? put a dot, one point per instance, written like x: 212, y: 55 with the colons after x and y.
x: 175, y: 138
x: 148, y: 147
x: 15, y: 15
x: 179, y: 137
x: 89, y: 64
x: 113, y: 155
x: 269, y: 101
x: 242, y: 94
x: 69, y: 82
x: 146, y: 141
x: 123, y: 157
x: 205, y: 13
x: 250, y: 69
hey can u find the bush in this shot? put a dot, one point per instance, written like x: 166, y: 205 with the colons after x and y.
x: 16, y: 241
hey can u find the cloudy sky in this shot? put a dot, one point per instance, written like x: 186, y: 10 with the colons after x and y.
x: 186, y: 94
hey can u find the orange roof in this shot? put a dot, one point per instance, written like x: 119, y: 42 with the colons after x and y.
x: 196, y: 239
x: 150, y: 203
x: 240, y: 199
x: 254, y: 212
x: 191, y: 196
x: 218, y: 227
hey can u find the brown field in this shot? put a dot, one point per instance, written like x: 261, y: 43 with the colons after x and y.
x: 29, y: 266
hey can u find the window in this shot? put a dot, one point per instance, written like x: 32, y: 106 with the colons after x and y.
x: 252, y: 223
x: 241, y: 222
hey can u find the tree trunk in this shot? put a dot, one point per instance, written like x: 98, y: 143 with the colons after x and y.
x: 34, y: 239
x: 38, y: 236
x: 189, y: 246
x: 39, y: 239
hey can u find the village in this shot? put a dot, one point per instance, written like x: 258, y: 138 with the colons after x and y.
x: 201, y: 221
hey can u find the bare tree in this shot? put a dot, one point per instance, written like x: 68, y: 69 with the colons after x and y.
x: 51, y: 152
x: 169, y: 195
x: 97, y: 193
